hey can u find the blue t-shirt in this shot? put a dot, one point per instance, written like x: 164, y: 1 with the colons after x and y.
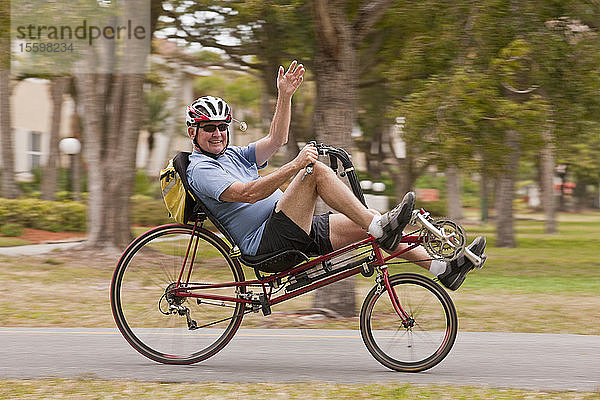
x: 209, y: 178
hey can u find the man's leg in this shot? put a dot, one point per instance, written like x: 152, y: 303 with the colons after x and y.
x: 342, y: 232
x: 299, y: 199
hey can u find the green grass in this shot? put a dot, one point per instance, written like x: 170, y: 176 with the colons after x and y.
x: 100, y: 389
x: 11, y: 242
x: 570, y: 252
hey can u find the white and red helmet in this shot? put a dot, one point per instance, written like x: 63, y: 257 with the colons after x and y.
x: 207, y: 108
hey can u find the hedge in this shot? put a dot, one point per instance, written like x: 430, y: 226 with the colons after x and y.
x: 70, y: 216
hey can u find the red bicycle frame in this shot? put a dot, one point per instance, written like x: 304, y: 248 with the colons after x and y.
x: 375, y: 260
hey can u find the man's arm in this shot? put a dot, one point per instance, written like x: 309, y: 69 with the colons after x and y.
x: 263, y: 187
x: 280, y: 126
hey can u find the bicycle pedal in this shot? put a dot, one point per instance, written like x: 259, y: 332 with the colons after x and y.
x: 483, y: 258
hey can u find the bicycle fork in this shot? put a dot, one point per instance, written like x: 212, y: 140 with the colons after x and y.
x: 383, y: 275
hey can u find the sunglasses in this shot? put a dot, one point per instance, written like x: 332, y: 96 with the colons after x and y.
x: 211, y: 128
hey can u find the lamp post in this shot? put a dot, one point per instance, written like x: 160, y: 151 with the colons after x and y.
x: 72, y: 147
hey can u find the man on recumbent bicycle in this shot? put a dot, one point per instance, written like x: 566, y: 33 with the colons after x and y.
x: 262, y: 219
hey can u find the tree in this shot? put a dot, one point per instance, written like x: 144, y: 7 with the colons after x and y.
x: 530, y: 82
x: 415, y: 42
x: 112, y: 102
x: 9, y: 186
x: 568, y: 78
x: 155, y: 114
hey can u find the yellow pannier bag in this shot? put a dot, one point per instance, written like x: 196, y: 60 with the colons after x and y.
x: 178, y: 199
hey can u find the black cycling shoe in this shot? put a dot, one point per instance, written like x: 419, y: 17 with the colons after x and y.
x: 457, y: 270
x: 394, y: 221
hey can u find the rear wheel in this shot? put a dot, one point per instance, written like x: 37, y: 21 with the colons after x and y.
x: 418, y: 343
x: 162, y: 326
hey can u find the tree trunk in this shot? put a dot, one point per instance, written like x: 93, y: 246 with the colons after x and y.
x: 546, y: 180
x: 405, y: 177
x: 173, y: 104
x: 8, y: 188
x: 374, y: 153
x: 336, y: 75
x: 50, y: 171
x: 505, y: 193
x: 110, y: 154
x: 76, y: 166
x: 453, y: 191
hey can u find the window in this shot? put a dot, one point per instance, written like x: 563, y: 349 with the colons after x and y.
x: 34, y: 153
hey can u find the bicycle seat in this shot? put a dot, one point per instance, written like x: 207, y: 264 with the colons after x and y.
x: 275, y: 262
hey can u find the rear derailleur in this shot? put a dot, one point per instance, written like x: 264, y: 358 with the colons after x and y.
x: 176, y: 308
x: 181, y: 310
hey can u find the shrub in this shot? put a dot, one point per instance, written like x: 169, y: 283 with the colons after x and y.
x: 12, y: 230
x: 147, y: 185
x: 70, y: 216
x: 147, y: 211
x: 55, y: 216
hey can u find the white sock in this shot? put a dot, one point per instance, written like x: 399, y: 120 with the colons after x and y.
x: 375, y: 228
x: 437, y: 267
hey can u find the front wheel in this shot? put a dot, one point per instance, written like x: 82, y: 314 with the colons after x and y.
x: 165, y: 327
x: 418, y: 343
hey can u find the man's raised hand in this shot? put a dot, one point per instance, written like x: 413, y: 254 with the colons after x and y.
x: 289, y: 81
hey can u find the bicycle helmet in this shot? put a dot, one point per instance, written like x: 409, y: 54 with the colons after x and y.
x: 208, y: 108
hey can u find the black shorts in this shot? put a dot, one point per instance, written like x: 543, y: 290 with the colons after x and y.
x: 281, y: 233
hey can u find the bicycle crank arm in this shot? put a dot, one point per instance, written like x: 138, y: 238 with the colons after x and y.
x: 430, y: 227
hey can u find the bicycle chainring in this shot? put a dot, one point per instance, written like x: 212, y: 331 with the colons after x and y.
x: 450, y: 246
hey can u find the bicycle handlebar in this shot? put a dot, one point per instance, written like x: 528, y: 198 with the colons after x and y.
x: 335, y: 154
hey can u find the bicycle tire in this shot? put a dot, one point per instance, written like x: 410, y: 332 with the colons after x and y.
x: 151, y: 263
x: 413, y: 348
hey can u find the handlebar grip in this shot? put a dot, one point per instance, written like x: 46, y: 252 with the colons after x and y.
x: 333, y: 162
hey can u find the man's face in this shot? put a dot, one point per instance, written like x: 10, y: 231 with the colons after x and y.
x: 213, y: 142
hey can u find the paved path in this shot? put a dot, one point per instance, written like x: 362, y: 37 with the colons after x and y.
x: 36, y: 249
x: 527, y: 361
